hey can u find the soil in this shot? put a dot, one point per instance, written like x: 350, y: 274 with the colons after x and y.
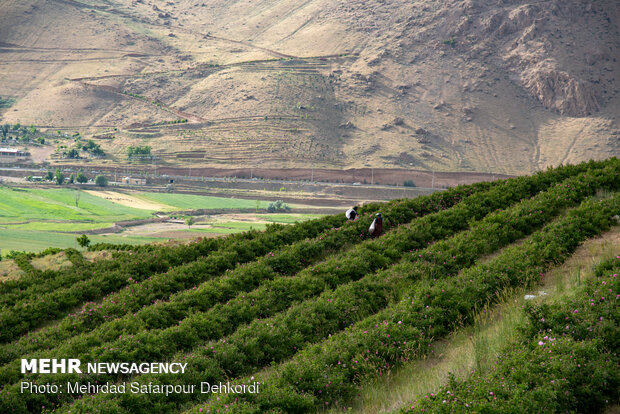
x: 130, y: 201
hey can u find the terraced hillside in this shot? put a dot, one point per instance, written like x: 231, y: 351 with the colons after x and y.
x: 312, y: 311
x: 476, y: 85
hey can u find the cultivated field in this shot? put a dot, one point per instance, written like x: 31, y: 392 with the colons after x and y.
x: 318, y: 311
x: 35, y: 219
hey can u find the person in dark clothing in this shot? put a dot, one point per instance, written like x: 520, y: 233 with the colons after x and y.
x: 352, y: 213
x: 376, y: 228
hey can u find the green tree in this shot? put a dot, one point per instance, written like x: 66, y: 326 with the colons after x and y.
x: 81, y: 178
x: 71, y: 179
x: 49, y: 176
x: 278, y: 206
x: 83, y: 240
x: 93, y: 148
x: 101, y: 181
x: 140, y: 152
x: 72, y: 153
x: 59, y: 177
x: 189, y: 221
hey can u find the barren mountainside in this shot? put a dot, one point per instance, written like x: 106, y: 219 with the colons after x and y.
x: 475, y: 85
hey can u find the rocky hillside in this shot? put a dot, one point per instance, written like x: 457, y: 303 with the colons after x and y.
x: 475, y: 85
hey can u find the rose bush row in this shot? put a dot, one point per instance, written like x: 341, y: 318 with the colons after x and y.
x: 561, y: 197
x: 329, y: 372
x: 283, y: 262
x: 448, y: 221
x: 565, y: 359
x: 271, y: 340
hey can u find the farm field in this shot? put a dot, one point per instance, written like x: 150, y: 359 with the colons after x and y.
x: 194, y: 202
x: 35, y: 219
x: 317, y: 311
x: 38, y: 240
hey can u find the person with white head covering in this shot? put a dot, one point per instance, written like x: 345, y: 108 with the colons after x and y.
x: 376, y: 228
x: 352, y: 213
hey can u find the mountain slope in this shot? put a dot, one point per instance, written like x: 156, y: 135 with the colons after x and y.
x: 484, y: 85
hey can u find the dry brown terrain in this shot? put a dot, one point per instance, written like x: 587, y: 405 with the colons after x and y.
x: 475, y: 85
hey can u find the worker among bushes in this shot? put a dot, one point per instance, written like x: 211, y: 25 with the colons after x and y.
x: 352, y: 213
x: 376, y: 228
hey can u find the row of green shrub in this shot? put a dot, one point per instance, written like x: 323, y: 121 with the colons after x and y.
x: 133, y: 297
x: 204, y: 323
x: 68, y: 288
x: 329, y: 373
x: 292, y: 257
x: 265, y: 341
x: 562, y: 195
x: 130, y: 263
x: 565, y: 359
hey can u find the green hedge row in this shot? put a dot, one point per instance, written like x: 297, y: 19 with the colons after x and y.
x: 329, y: 372
x: 137, y: 264
x: 289, y: 260
x: 565, y: 359
x: 266, y: 341
x: 564, y: 194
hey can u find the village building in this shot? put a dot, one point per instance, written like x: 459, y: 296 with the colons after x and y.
x: 133, y: 181
x: 10, y: 152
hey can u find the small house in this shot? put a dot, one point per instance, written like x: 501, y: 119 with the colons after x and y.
x: 134, y: 181
x: 10, y: 152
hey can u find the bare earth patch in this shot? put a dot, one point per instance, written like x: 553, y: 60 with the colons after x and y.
x: 129, y: 201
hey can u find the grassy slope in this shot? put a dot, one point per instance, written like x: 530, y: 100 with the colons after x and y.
x: 476, y: 348
x: 59, y: 204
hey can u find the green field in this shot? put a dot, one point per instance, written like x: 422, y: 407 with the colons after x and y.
x: 34, y: 241
x: 20, y: 204
x: 231, y: 227
x: 34, y: 219
x: 287, y: 218
x: 198, y: 202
